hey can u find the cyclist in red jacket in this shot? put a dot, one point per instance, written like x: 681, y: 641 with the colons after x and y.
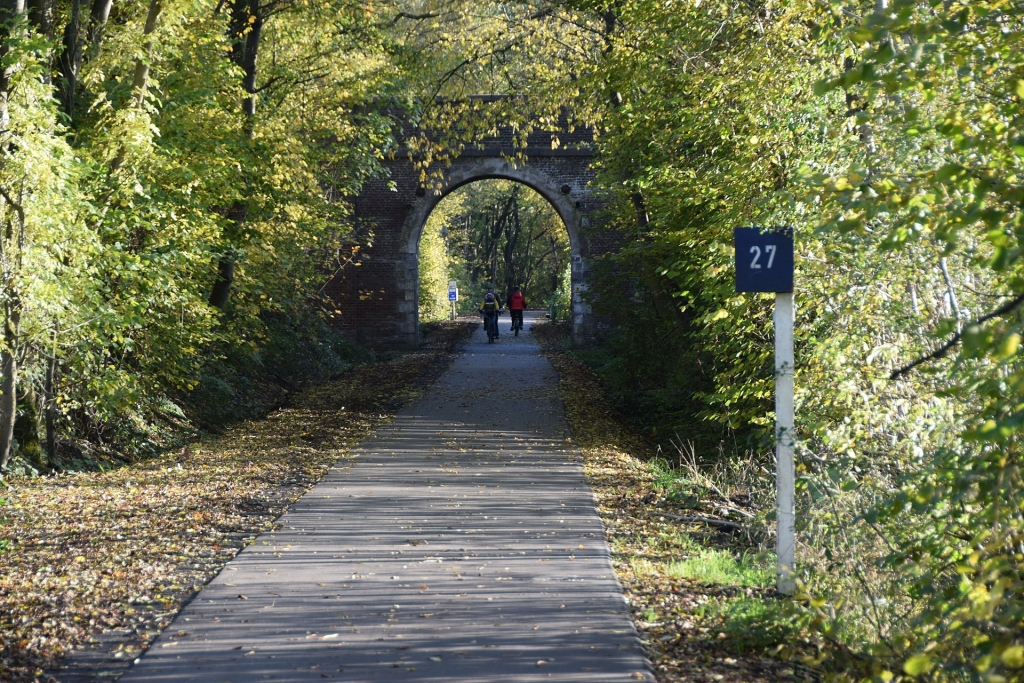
x: 516, y: 305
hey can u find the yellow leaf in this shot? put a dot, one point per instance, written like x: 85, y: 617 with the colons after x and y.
x: 1008, y: 347
x: 917, y: 665
x: 1013, y: 657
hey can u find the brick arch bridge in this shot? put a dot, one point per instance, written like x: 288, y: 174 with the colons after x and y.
x: 379, y: 298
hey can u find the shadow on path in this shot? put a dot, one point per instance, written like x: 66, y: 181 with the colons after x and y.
x: 462, y: 545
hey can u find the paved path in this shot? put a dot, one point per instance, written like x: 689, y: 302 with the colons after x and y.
x: 461, y: 546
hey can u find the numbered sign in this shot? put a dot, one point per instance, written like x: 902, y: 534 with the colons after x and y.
x: 453, y: 291
x: 764, y: 260
x: 764, y: 263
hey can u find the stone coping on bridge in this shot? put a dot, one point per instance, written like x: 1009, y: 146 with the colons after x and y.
x: 507, y: 151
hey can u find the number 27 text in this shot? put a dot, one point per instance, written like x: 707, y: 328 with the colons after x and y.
x: 755, y: 264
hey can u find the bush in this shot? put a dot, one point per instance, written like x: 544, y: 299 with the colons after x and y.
x: 247, y: 383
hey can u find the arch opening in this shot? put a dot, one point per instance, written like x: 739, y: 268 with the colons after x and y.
x: 493, y: 233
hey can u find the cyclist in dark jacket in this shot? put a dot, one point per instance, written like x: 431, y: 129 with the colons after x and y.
x: 490, y: 308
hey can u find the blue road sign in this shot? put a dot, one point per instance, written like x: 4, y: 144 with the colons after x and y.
x: 764, y: 259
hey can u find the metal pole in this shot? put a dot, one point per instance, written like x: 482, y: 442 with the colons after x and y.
x: 784, y: 442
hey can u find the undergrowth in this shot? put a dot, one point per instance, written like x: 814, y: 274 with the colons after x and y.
x: 247, y: 382
x: 236, y: 382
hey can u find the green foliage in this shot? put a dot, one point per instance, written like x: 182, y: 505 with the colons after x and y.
x: 438, y: 266
x: 295, y: 350
x: 705, y: 147
x: 941, y: 174
x: 889, y: 141
x: 655, y: 374
x: 560, y: 301
x: 115, y: 225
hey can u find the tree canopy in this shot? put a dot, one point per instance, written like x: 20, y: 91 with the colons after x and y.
x: 174, y: 178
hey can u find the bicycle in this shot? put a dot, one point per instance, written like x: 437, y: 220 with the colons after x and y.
x: 491, y: 326
x: 517, y: 321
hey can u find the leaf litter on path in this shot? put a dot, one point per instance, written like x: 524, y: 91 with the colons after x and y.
x: 97, y: 564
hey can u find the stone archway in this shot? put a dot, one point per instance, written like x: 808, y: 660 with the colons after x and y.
x: 378, y: 294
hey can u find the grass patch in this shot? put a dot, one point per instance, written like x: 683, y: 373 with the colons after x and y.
x: 724, y: 568
x: 713, y: 566
x: 751, y: 624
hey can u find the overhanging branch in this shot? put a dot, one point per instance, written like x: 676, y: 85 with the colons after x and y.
x: 940, y: 352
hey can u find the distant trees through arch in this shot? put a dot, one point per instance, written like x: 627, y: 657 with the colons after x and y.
x: 493, y: 233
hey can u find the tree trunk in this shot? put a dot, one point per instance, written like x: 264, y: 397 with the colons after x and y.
x: 245, y: 29
x: 954, y: 304
x: 140, y: 79
x: 70, y: 61
x: 73, y: 54
x: 222, y: 286
x: 10, y: 247
x: 513, y: 228
x: 11, y: 244
x: 10, y: 262
x: 97, y: 24
x: 8, y: 401
x: 525, y: 275
x: 26, y: 429
x: 642, y: 218
x: 557, y: 271
x: 10, y: 10
x: 40, y: 14
x: 50, y: 410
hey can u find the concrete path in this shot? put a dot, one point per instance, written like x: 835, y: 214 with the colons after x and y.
x: 461, y: 546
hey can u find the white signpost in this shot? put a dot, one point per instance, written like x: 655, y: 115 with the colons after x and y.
x: 785, y: 546
x: 764, y: 263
